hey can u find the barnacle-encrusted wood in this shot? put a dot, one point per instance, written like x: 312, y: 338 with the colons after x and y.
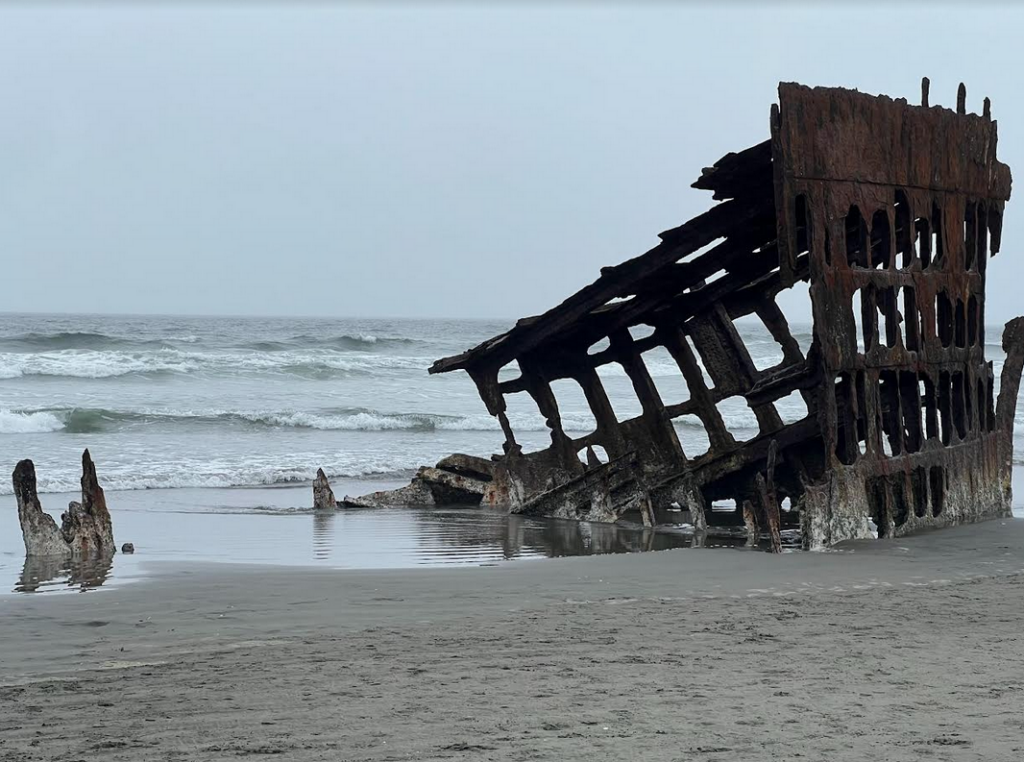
x: 890, y: 212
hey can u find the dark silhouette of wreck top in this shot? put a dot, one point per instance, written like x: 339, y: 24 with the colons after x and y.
x: 890, y: 212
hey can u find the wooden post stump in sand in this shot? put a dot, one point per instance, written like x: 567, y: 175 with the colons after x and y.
x: 323, y: 496
x: 85, y: 529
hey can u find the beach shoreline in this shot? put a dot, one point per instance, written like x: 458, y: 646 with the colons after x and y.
x: 275, y: 525
x: 700, y: 654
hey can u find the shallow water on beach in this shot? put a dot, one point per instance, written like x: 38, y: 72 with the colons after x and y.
x: 272, y: 526
x: 165, y: 527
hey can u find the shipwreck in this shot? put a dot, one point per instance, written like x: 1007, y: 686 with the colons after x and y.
x: 890, y: 212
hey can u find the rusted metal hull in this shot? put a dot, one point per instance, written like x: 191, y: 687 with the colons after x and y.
x: 890, y: 212
x: 899, y: 208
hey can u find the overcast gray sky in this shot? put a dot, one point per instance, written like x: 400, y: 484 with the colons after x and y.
x: 417, y: 160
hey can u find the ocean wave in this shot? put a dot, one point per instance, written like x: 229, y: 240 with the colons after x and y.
x: 94, y: 420
x: 34, y: 341
x: 201, y: 475
x: 352, y: 341
x: 39, y: 422
x: 96, y: 355
x: 357, y: 419
x: 363, y: 342
x: 83, y: 420
x: 112, y: 364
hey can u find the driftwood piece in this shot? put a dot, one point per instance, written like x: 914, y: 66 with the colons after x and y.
x: 86, y: 528
x: 323, y: 496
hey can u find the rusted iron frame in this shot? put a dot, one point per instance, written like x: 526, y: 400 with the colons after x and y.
x: 615, y: 282
x: 767, y: 416
x: 694, y: 380
x: 912, y: 420
x: 602, y: 322
x: 910, y: 414
x: 738, y: 301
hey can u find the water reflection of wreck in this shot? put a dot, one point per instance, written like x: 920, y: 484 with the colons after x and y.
x: 464, y: 533
x: 890, y: 212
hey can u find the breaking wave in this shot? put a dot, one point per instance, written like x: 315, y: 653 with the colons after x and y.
x: 94, y: 420
x: 36, y: 341
x: 311, y: 364
x: 39, y: 422
x: 363, y: 342
x: 202, y: 475
x: 33, y: 341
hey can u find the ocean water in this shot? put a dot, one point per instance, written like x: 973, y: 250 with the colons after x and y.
x: 231, y: 416
x: 178, y: 402
x: 166, y: 402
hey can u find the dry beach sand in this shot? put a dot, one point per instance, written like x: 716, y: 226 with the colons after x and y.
x: 903, y: 650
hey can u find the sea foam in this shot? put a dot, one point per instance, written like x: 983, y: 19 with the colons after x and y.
x: 111, y: 364
x: 13, y: 422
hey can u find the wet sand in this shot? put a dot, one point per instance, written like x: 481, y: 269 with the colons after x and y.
x: 903, y: 650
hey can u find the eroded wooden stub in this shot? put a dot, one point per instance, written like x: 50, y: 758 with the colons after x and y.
x: 86, y: 530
